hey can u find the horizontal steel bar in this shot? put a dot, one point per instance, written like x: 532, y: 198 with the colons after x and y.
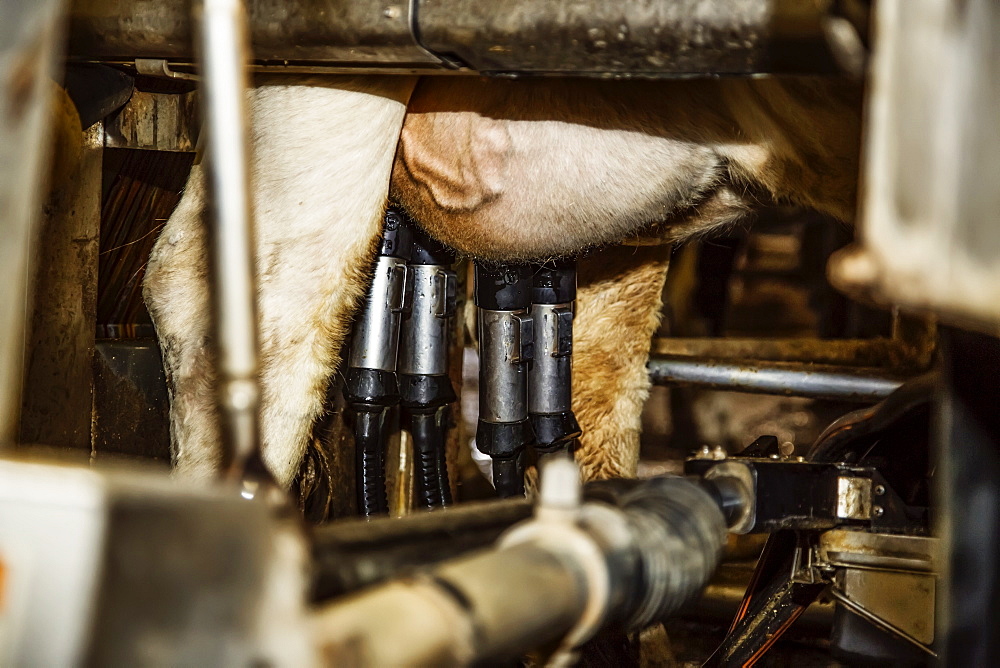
x: 564, y: 37
x: 875, y: 353
x: 800, y: 380
x: 333, y: 31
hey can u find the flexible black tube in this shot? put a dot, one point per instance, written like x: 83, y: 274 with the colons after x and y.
x: 352, y: 554
x: 369, y: 425
x: 848, y: 436
x: 428, y: 436
x: 443, y: 479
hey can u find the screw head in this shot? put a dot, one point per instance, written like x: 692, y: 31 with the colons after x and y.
x: 878, y: 511
x: 879, y: 490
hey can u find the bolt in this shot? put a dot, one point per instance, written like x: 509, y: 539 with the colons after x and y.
x: 704, y: 453
x: 879, y: 490
x: 391, y: 12
x: 878, y: 511
x: 775, y: 457
x: 718, y: 452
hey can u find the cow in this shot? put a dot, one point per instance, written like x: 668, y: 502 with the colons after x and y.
x: 500, y: 170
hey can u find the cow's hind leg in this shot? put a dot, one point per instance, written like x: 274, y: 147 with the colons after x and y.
x: 322, y: 152
x: 617, y: 312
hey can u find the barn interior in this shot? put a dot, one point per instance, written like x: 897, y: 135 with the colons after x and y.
x: 818, y: 480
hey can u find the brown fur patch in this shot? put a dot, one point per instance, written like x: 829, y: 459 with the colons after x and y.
x: 617, y: 311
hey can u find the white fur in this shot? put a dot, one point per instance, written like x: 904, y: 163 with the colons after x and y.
x: 322, y: 154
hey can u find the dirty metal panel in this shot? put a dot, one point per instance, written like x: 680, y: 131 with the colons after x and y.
x: 156, y: 122
x: 854, y: 498
x: 29, y: 35
x: 862, y: 549
x: 903, y: 600
x: 131, y: 404
x: 59, y: 348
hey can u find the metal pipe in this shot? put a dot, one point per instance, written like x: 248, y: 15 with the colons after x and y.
x: 800, y: 380
x: 592, y: 38
x: 884, y: 353
x: 349, y: 555
x: 562, y: 576
x: 224, y: 50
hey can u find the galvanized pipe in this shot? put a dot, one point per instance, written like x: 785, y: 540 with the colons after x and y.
x: 562, y: 576
x: 224, y: 51
x: 568, y: 37
x: 800, y: 380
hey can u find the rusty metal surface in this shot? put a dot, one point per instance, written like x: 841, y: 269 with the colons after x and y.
x: 879, y: 352
x: 58, y: 382
x: 156, y: 122
x: 842, y: 547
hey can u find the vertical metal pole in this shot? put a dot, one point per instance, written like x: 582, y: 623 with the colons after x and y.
x: 224, y: 49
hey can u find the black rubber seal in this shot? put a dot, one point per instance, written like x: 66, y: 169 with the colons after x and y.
x: 503, y: 287
x: 554, y: 283
x: 425, y: 391
x: 396, y: 235
x: 504, y: 439
x: 428, y: 251
x: 554, y: 430
x: 372, y: 387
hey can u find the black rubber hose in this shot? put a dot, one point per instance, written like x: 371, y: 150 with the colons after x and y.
x: 847, y: 437
x: 680, y: 532
x: 351, y: 554
x: 443, y: 479
x: 369, y: 424
x: 428, y: 438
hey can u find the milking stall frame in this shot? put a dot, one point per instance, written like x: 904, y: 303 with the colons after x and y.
x: 879, y: 540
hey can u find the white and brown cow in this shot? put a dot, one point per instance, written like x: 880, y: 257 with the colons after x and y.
x: 501, y: 170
